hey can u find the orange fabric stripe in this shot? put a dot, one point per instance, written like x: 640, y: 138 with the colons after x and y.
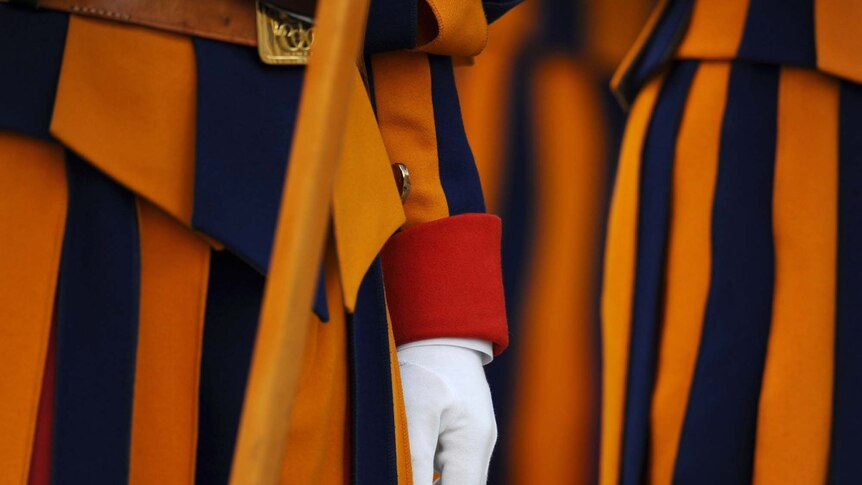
x: 402, y: 84
x: 174, y: 278
x: 402, y: 440
x: 612, y: 28
x: 126, y: 103
x: 554, y: 426
x: 688, y: 263
x: 838, y: 37
x: 795, y: 411
x: 715, y: 30
x: 617, y: 292
x: 316, y: 442
x: 458, y: 27
x: 366, y: 207
x: 32, y: 225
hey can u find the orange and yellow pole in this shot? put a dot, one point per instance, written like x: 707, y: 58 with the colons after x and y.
x: 299, y: 240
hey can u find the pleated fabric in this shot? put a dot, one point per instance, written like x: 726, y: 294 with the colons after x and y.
x: 517, y: 207
x: 544, y: 129
x: 847, y: 425
x: 725, y: 300
x: 97, y: 330
x: 739, y: 304
x: 317, y: 438
x: 815, y: 34
x: 141, y: 173
x: 618, y: 284
x: 556, y: 399
x: 687, y: 284
x: 29, y: 263
x: 234, y: 296
x: 175, y: 266
x: 653, y: 215
x: 794, y: 427
x: 374, y: 438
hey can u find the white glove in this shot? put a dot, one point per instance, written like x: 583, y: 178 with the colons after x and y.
x: 450, y: 416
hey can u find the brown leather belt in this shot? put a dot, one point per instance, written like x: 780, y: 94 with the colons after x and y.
x: 284, y: 25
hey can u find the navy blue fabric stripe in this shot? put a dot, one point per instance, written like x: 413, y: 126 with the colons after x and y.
x: 658, y: 49
x: 320, y: 305
x: 31, y: 51
x: 847, y: 397
x: 391, y: 25
x: 369, y: 80
x: 458, y: 173
x: 717, y: 441
x: 659, y: 152
x: 245, y: 119
x: 373, y: 428
x: 246, y: 113
x: 517, y: 210
x: 234, y: 296
x: 97, y: 330
x: 563, y: 24
x: 664, y: 39
x: 495, y: 9
x: 780, y: 32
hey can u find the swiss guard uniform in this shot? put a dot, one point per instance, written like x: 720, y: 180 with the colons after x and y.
x: 544, y: 127
x: 731, y: 294
x: 142, y: 157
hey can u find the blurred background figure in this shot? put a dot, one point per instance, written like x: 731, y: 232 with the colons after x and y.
x: 545, y: 129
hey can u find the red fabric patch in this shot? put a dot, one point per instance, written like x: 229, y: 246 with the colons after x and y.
x: 40, y: 462
x: 443, y: 279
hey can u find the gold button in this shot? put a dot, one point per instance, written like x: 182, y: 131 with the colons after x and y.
x: 402, y: 178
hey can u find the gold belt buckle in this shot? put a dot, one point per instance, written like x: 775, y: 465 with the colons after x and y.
x: 283, y: 38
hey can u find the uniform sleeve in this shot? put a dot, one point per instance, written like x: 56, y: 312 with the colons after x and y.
x: 442, y: 270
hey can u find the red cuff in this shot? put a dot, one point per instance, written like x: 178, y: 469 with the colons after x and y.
x: 443, y: 279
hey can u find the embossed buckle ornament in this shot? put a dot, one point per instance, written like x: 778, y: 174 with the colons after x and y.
x: 283, y: 38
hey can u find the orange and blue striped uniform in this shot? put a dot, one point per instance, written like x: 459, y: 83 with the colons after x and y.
x: 728, y: 308
x: 545, y: 128
x: 140, y: 173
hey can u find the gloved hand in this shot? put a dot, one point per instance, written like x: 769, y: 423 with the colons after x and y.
x: 450, y: 416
